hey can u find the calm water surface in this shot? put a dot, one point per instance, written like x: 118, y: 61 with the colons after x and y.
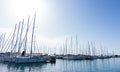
x: 105, y: 65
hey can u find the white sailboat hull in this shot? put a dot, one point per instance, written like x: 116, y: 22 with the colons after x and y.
x: 31, y: 59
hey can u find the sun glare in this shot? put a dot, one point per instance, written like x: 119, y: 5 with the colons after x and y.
x: 23, y: 8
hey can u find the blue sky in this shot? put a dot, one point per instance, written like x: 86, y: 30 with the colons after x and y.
x: 92, y: 20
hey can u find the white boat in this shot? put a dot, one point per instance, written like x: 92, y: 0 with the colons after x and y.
x: 31, y: 59
x: 17, y: 43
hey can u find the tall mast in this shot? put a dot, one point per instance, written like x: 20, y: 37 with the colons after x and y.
x: 101, y: 47
x: 20, y: 43
x: 93, y: 48
x: 89, y: 50
x: 15, y: 46
x: 76, y: 45
x: 32, y: 34
x: 13, y: 37
x: 26, y: 35
x: 71, y: 46
x: 66, y: 45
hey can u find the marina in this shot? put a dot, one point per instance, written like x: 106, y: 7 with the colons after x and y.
x: 16, y: 43
x: 16, y: 48
x: 59, y: 36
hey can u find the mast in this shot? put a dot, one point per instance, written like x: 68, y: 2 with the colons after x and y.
x: 17, y: 37
x: 77, y: 45
x: 93, y: 48
x: 32, y: 34
x: 89, y: 51
x: 82, y: 50
x: 101, y: 47
x: 66, y: 45
x: 13, y: 37
x: 71, y: 46
x: 26, y: 35
x: 34, y: 43
x: 20, y: 43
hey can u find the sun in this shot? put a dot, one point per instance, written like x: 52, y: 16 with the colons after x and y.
x: 22, y: 8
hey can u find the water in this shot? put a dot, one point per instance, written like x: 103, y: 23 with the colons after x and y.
x: 105, y: 65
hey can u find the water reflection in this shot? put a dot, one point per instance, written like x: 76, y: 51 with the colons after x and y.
x: 100, y: 65
x: 12, y: 67
x: 104, y: 65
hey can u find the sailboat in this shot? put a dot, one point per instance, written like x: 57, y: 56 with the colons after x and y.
x: 73, y: 56
x: 33, y: 58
